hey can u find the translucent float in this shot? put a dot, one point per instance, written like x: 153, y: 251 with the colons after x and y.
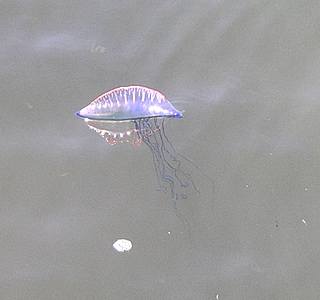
x: 129, y: 103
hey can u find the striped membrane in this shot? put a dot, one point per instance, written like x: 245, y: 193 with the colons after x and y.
x: 128, y: 103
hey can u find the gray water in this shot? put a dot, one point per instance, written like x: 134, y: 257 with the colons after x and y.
x: 245, y: 73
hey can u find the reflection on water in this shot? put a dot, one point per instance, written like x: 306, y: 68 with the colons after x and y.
x: 178, y: 176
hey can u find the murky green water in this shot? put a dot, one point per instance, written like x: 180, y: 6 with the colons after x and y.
x: 246, y: 76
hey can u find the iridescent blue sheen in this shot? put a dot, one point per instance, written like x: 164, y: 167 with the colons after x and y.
x: 128, y: 103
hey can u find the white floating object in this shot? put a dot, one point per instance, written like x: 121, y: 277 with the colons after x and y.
x: 122, y: 245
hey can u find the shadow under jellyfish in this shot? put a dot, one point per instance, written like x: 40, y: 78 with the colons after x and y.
x: 137, y: 114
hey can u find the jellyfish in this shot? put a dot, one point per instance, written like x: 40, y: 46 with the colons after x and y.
x: 137, y: 115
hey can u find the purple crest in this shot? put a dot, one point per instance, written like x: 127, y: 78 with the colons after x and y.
x: 128, y: 103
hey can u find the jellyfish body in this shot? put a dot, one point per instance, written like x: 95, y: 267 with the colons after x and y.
x: 128, y: 103
x: 137, y: 114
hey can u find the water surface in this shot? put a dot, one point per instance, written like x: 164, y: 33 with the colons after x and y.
x: 246, y: 74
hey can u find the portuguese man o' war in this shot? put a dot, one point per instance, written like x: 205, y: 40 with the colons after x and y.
x: 136, y: 115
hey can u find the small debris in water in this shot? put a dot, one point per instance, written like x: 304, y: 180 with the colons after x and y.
x: 304, y: 221
x: 122, y: 245
x: 29, y: 105
x: 97, y: 49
